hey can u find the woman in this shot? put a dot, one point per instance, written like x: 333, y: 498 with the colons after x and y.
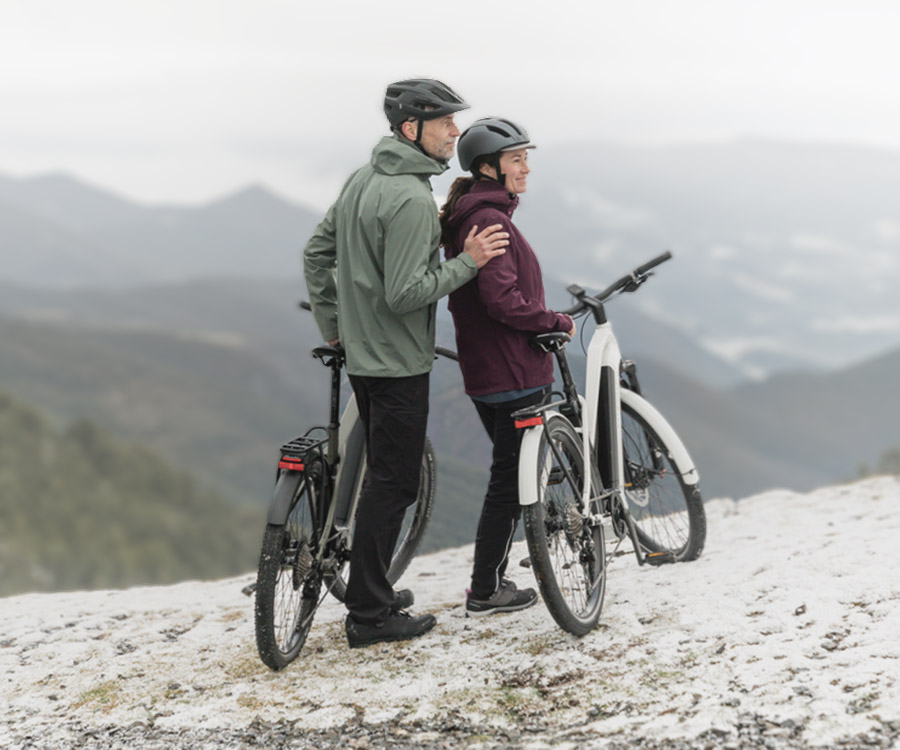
x: 496, y: 314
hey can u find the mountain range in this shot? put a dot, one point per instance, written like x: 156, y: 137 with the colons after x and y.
x: 786, y: 253
x: 177, y: 326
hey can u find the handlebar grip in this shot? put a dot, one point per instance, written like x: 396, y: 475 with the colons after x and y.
x: 304, y: 305
x: 641, y: 270
x: 448, y: 353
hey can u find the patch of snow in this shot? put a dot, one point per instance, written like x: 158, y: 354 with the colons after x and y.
x: 792, y: 613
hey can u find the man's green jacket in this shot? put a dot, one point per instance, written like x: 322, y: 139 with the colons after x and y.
x: 381, y: 236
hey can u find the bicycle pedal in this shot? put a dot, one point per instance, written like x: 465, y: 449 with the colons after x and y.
x: 249, y: 589
x: 525, y: 562
x: 660, y: 558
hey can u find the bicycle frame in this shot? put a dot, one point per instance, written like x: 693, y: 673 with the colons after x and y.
x: 598, y: 419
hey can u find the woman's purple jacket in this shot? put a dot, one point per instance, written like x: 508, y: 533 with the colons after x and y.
x: 498, y: 312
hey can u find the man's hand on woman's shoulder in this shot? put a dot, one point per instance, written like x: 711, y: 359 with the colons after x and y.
x: 487, y: 244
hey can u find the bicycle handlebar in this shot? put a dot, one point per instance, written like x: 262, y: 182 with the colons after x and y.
x: 448, y: 353
x: 628, y: 283
x: 650, y: 264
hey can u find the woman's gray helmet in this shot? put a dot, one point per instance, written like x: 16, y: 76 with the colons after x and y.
x: 488, y: 137
x: 420, y: 99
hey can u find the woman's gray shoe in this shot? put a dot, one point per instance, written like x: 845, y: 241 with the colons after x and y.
x: 399, y: 626
x: 507, y: 598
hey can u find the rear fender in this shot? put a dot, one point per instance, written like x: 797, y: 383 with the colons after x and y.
x: 285, y: 490
x: 528, y: 461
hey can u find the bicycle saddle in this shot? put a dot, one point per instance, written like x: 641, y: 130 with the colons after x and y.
x: 550, y: 342
x: 330, y: 354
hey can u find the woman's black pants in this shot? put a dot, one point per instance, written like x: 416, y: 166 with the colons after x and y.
x: 500, y: 512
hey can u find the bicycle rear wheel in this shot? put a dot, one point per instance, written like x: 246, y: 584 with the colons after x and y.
x: 566, y: 550
x: 415, y: 522
x: 289, y: 579
x: 667, y: 512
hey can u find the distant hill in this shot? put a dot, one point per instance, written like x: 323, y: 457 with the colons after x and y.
x: 58, y: 231
x: 212, y: 407
x: 786, y: 253
x: 81, y: 509
x: 837, y: 420
x: 216, y: 406
x: 216, y: 374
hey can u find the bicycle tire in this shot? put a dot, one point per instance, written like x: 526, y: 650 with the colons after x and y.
x: 668, y: 513
x: 288, y: 580
x: 415, y: 522
x: 567, y: 553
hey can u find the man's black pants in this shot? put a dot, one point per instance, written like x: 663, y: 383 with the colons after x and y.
x: 394, y: 412
x: 501, y: 509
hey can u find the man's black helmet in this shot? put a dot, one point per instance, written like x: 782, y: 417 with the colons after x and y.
x: 420, y: 99
x: 488, y: 136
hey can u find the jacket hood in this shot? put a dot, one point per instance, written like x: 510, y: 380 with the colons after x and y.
x: 394, y: 156
x: 484, y: 194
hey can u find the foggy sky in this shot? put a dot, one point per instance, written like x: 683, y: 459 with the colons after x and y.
x: 187, y: 100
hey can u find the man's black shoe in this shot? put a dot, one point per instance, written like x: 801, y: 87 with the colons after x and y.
x: 404, y: 600
x: 399, y: 626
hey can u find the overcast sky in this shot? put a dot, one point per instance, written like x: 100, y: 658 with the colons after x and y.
x: 185, y: 100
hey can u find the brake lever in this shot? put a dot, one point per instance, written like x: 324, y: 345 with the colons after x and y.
x: 636, y: 281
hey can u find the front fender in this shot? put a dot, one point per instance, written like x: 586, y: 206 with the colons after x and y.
x: 680, y: 457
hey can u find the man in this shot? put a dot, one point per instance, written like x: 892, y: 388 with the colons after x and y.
x: 381, y: 237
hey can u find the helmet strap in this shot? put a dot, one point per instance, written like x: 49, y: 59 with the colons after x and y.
x: 420, y: 124
x: 494, y: 162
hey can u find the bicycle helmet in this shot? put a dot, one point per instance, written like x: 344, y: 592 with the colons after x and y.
x: 489, y: 137
x: 421, y: 99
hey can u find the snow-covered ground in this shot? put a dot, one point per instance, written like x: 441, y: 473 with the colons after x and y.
x: 790, y: 621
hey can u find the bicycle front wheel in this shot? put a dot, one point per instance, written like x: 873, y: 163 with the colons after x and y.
x: 667, y: 512
x: 566, y: 550
x: 415, y: 522
x: 289, y: 580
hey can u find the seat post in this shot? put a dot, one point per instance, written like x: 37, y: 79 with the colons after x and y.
x: 334, y: 418
x: 573, y: 411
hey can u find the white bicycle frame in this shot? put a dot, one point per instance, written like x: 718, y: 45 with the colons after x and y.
x: 601, y: 410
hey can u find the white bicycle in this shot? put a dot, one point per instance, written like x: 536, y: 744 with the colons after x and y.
x: 598, y: 468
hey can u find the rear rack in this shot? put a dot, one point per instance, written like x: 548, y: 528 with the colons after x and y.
x: 295, y: 453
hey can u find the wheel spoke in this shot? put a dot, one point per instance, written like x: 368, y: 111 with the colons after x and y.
x: 657, y: 499
x: 566, y: 550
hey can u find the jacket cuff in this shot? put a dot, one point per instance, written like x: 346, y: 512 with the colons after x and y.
x: 467, y: 260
